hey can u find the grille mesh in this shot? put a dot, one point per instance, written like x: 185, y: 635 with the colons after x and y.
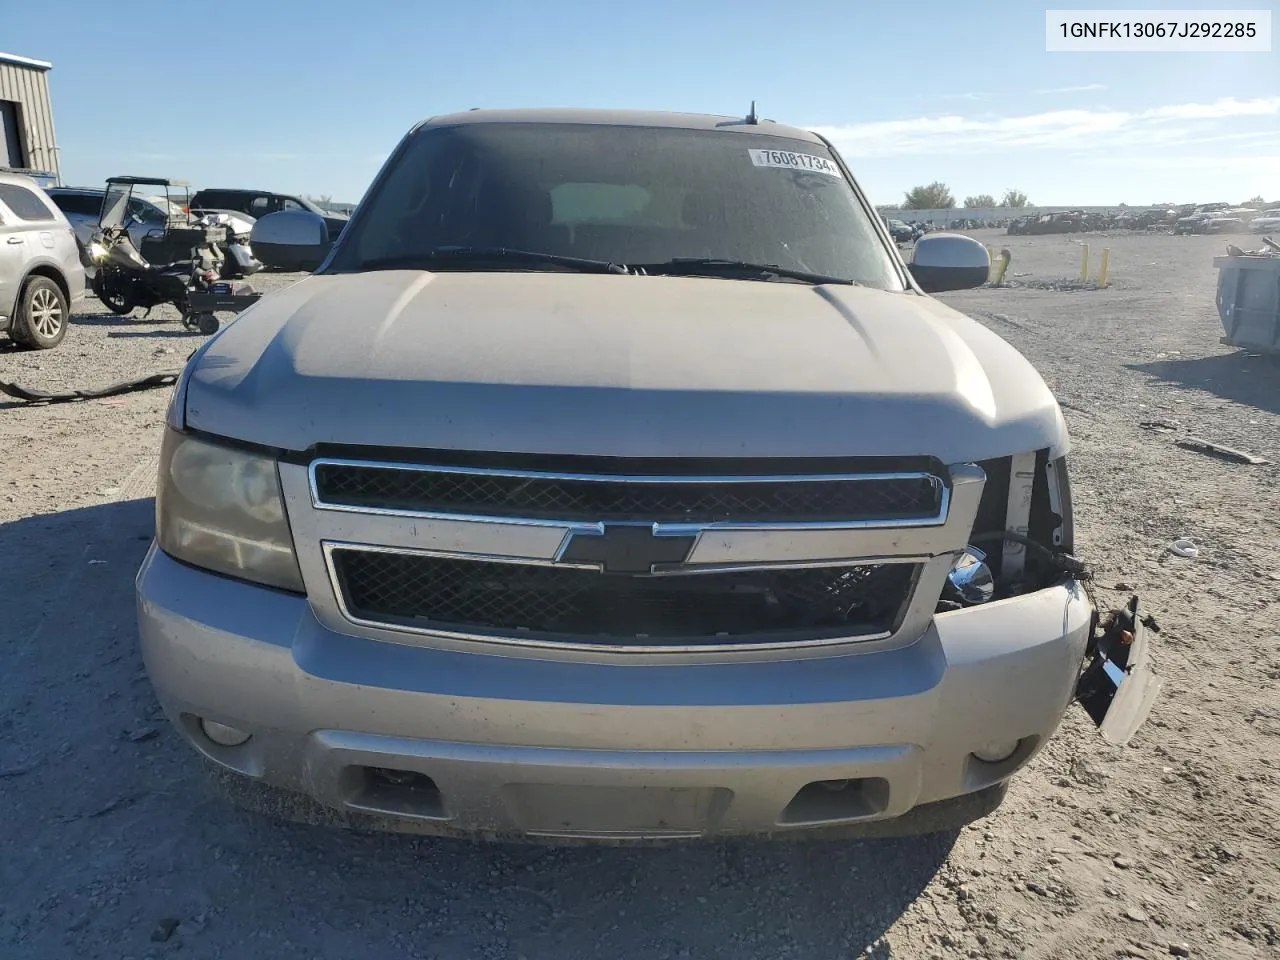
x: 586, y: 606
x: 601, y: 500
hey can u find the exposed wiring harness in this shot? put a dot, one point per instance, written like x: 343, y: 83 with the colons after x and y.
x: 1062, y: 561
x: 1059, y: 561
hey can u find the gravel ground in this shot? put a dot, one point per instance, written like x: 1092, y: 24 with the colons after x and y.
x: 114, y: 847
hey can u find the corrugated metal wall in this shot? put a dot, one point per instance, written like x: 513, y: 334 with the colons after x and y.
x: 29, y: 88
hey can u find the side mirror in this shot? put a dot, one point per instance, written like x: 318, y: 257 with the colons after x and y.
x: 949, y: 261
x: 291, y: 228
x: 291, y: 240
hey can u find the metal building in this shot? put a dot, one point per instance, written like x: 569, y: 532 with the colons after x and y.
x: 26, y: 116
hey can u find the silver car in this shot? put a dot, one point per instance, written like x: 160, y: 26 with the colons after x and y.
x: 614, y: 479
x: 148, y: 215
x: 41, y: 274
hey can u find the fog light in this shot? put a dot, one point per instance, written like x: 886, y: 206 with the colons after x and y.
x: 996, y: 751
x: 222, y: 734
x: 970, y: 578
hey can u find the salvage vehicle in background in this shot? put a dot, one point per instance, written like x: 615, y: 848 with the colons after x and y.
x: 126, y: 277
x: 902, y: 232
x: 261, y: 203
x: 1266, y: 221
x: 41, y: 275
x: 1207, y: 222
x: 83, y: 205
x: 150, y: 214
x: 615, y: 479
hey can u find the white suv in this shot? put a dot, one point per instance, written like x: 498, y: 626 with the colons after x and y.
x: 41, y: 274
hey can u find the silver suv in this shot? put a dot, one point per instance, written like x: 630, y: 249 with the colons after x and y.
x: 614, y: 478
x: 41, y: 275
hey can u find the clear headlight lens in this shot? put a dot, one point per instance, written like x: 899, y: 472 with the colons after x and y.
x: 97, y: 251
x: 222, y: 509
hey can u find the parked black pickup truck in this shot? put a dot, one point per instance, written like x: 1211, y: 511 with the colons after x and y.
x: 259, y: 203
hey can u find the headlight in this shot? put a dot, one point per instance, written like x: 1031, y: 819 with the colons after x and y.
x: 97, y: 251
x: 222, y: 509
x: 970, y: 579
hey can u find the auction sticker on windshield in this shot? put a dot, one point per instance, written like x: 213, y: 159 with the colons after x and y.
x: 794, y: 161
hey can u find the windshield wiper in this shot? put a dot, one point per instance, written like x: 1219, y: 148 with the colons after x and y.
x: 466, y: 255
x: 713, y: 266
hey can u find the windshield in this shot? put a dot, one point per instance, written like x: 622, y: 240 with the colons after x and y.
x: 114, y: 204
x: 625, y: 195
x: 155, y: 210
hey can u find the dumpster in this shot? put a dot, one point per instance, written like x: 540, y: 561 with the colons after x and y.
x: 1249, y: 301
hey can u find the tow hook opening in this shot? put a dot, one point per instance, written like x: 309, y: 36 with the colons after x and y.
x: 388, y: 790
x: 827, y: 801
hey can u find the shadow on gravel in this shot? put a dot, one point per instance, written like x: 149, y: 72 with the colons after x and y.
x: 180, y: 332
x: 1240, y: 377
x: 121, y: 834
x: 105, y: 320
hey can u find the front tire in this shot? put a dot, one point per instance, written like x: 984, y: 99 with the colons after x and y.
x: 41, y: 321
x: 114, y: 298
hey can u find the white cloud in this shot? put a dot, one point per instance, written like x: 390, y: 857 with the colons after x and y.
x: 1231, y: 107
x: 1083, y: 88
x: 1252, y: 162
x: 1075, y: 129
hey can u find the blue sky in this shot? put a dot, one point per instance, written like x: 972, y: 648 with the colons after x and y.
x: 310, y: 97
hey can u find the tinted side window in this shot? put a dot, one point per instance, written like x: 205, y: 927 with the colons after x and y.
x: 24, y: 203
x: 75, y: 203
x: 219, y: 200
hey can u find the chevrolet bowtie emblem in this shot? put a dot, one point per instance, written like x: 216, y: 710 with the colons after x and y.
x: 625, y: 548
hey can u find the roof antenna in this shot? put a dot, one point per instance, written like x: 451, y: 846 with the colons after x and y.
x: 751, y: 117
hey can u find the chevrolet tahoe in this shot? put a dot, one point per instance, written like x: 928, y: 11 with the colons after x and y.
x: 614, y: 479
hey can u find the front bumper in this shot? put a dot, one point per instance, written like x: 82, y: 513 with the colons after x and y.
x: 518, y: 745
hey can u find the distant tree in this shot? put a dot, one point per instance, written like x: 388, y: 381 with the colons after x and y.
x: 935, y: 196
x: 1013, y: 198
x: 1256, y: 201
x: 981, y: 200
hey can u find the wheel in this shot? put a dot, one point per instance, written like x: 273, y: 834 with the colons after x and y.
x: 115, y: 297
x: 41, y: 321
x: 206, y: 323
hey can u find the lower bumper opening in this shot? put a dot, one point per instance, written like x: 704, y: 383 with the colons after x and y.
x: 404, y: 793
x: 831, y: 801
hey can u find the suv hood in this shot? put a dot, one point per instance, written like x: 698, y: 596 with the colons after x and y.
x: 609, y: 365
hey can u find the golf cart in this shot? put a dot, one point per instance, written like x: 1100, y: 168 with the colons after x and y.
x: 178, y: 236
x: 181, y: 261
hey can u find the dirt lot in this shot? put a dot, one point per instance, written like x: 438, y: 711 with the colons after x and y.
x: 114, y: 848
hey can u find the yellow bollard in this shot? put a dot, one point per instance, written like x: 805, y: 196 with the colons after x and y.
x: 1006, y: 258
x: 1102, y: 266
x: 1084, y: 262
